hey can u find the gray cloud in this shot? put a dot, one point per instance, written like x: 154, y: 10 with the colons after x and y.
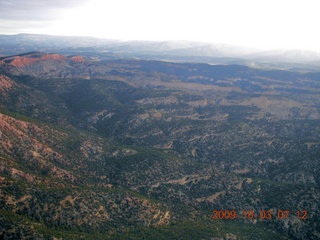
x: 35, y: 9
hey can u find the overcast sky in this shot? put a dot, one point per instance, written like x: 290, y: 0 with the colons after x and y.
x: 256, y: 23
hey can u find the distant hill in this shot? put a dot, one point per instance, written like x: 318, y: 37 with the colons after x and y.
x: 21, y: 43
x: 284, y: 55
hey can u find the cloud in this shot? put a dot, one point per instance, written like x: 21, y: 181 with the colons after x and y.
x: 261, y: 24
x: 33, y: 10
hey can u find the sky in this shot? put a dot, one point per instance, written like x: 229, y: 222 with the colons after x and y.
x: 265, y: 24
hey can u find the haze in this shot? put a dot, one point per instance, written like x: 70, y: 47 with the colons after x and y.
x: 258, y: 24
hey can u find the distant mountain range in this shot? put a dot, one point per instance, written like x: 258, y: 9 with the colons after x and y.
x: 181, y: 51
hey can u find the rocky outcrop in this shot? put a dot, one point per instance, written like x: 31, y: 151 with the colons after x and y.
x: 22, y: 61
x: 57, y: 57
x: 31, y: 58
x: 77, y: 59
x: 45, y: 65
